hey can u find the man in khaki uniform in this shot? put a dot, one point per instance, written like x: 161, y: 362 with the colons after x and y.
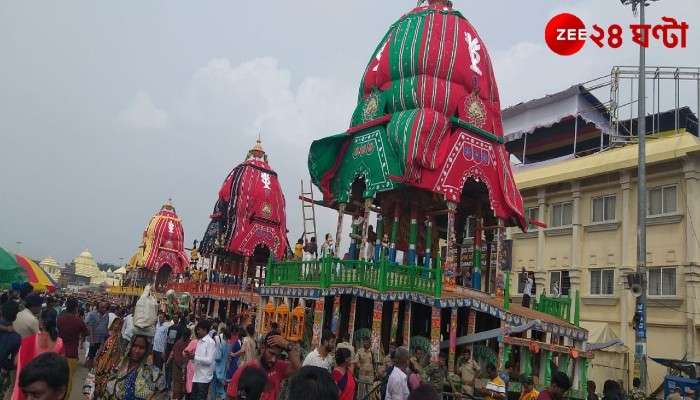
x: 469, y: 370
x: 365, y: 362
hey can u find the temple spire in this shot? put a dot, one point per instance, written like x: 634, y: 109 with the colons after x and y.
x: 168, y: 205
x: 257, y: 151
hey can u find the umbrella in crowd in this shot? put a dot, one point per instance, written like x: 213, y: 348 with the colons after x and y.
x: 10, y: 270
x: 16, y: 268
x: 36, y: 276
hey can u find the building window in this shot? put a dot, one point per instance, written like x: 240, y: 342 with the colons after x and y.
x: 561, y: 214
x: 559, y: 283
x: 531, y: 213
x: 662, y: 200
x: 603, y: 209
x: 662, y: 281
x: 602, y: 282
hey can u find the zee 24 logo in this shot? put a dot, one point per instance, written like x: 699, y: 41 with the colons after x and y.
x: 566, y: 34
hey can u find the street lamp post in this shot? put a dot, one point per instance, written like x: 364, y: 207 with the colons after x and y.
x: 641, y: 301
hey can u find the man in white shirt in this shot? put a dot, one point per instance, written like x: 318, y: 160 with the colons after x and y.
x: 203, y: 360
x: 397, y: 385
x: 27, y: 323
x: 527, y: 288
x: 160, y: 339
x: 321, y: 356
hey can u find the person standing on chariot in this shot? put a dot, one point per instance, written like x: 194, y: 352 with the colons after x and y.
x: 311, y: 249
x: 328, y: 247
x: 528, y: 284
x: 299, y: 250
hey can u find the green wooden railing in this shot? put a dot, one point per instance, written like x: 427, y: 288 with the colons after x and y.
x: 380, y: 276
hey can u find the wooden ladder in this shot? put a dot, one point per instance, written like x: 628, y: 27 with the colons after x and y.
x: 308, y: 212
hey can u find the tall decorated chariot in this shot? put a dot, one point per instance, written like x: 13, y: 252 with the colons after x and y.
x: 423, y: 174
x: 247, y: 227
x: 159, y: 258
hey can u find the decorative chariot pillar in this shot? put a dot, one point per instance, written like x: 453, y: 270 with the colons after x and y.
x: 412, y: 236
x: 335, y: 318
x: 244, y: 279
x: 471, y: 325
x: 394, y: 337
x: 376, y: 325
x: 319, y: 306
x: 450, y: 269
x: 476, y: 268
x: 394, y: 233
x: 407, y: 324
x: 259, y: 319
x: 351, y: 318
x: 365, y: 229
x: 428, y: 242
x: 378, y: 241
x: 435, y: 334
x: 453, y: 340
x: 339, y: 228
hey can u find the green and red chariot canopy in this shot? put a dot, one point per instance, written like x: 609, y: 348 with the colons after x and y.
x: 428, y: 116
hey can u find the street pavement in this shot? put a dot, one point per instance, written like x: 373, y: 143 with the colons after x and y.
x: 78, y: 380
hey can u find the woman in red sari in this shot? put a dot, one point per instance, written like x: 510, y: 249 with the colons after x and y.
x: 342, y: 374
x: 44, y: 341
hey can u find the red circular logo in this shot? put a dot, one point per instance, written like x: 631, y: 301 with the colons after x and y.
x: 565, y: 34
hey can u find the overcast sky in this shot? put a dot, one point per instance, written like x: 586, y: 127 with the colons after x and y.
x: 107, y: 109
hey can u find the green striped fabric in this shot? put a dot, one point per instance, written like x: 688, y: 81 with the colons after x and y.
x: 10, y: 271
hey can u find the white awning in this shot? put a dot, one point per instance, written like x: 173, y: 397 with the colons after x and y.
x: 601, y: 332
x: 544, y: 112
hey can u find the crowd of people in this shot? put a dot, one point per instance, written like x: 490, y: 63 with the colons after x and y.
x: 400, y: 375
x: 186, y: 357
x: 614, y: 390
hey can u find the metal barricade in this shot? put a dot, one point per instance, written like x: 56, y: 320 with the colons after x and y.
x: 367, y: 390
x: 458, y: 396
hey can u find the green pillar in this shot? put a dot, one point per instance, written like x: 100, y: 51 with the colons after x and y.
x: 547, y: 359
x: 526, y: 362
x: 412, y: 236
x: 583, y: 381
x: 505, y: 357
x: 476, y: 268
x: 438, y: 276
x: 564, y: 363
x: 428, y: 242
x: 378, y: 243
x: 394, y: 233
